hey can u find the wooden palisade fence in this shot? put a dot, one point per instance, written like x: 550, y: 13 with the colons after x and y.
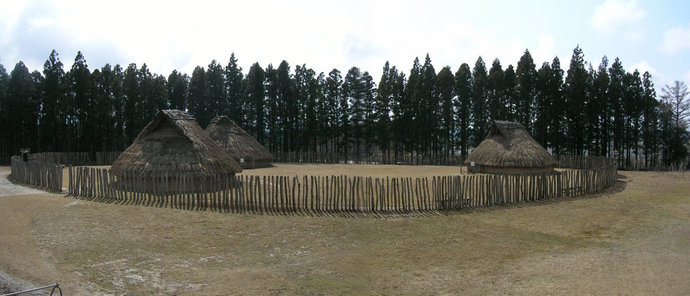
x: 336, y: 194
x: 42, y: 174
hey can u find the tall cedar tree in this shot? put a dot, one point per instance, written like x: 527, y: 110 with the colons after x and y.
x: 83, y: 126
x: 178, y: 86
x: 615, y: 104
x: 234, y: 90
x: 21, y: 108
x: 427, y: 108
x: 650, y: 121
x: 217, y: 94
x: 575, y: 98
x: 412, y: 101
x: 333, y: 97
x: 271, y: 106
x: 510, y: 88
x: 542, y: 104
x: 526, y: 74
x: 5, y: 149
x: 52, y: 99
x: 599, y: 112
x: 463, y: 102
x: 256, y: 94
x: 353, y: 91
x: 286, y: 105
x: 497, y: 104
x: 480, y: 93
x: 133, y: 119
x: 445, y: 86
x: 198, y: 98
x: 557, y: 123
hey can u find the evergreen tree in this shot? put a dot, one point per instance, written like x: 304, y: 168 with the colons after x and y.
x: 235, y: 91
x: 510, y: 89
x: 463, y: 105
x: 21, y: 107
x: 353, y: 92
x: 382, y: 110
x: 5, y: 145
x: 526, y: 75
x: 217, y: 96
x: 81, y: 88
x: 256, y: 95
x: 272, y: 112
x: 132, y: 114
x: 650, y: 121
x: 198, y: 100
x: 445, y: 85
x: 118, y: 110
x: 542, y: 104
x: 480, y: 92
x: 153, y: 88
x: 308, y: 94
x: 321, y: 132
x: 575, y: 98
x: 333, y: 97
x: 287, y: 106
x: 178, y: 86
x: 426, y: 122
x: 497, y: 100
x: 599, y: 109
x: 412, y: 106
x: 557, y: 111
x: 105, y: 98
x: 632, y: 99
x: 368, y: 94
x: 615, y: 103
x: 52, y: 100
x: 400, y: 112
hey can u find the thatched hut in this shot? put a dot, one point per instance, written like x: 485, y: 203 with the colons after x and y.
x: 238, y: 143
x: 174, y: 144
x: 509, y: 149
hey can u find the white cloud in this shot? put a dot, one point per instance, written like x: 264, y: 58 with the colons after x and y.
x: 676, y: 40
x: 545, y: 50
x: 644, y: 66
x: 614, y: 14
x: 686, y: 77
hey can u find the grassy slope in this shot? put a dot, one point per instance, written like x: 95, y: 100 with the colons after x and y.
x: 635, y: 239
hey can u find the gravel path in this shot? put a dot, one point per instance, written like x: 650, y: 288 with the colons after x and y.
x: 8, y: 188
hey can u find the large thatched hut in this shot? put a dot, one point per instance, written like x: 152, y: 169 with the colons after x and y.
x: 173, y: 144
x: 238, y: 143
x: 509, y: 149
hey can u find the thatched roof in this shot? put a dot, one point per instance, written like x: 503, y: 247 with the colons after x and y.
x: 174, y: 143
x: 236, y: 141
x: 508, y: 145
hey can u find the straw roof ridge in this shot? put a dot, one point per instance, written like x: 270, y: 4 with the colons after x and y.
x: 173, y: 142
x: 178, y: 114
x: 509, y: 145
x: 236, y: 141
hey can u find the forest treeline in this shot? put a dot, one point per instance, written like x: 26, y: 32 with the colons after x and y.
x: 600, y: 110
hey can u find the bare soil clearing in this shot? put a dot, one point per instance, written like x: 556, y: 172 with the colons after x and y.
x: 632, y: 239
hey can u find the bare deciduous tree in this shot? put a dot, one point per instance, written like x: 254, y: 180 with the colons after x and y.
x: 674, y: 99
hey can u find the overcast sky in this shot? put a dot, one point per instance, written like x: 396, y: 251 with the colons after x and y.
x: 650, y: 36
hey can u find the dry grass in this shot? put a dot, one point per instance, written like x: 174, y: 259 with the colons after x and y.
x: 635, y: 239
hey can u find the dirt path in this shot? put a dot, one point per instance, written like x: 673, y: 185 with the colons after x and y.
x: 8, y: 188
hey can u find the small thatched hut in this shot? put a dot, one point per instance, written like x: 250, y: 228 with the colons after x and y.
x: 238, y: 143
x: 174, y: 144
x: 509, y: 149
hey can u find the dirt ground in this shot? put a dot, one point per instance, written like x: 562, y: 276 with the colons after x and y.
x: 633, y: 239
